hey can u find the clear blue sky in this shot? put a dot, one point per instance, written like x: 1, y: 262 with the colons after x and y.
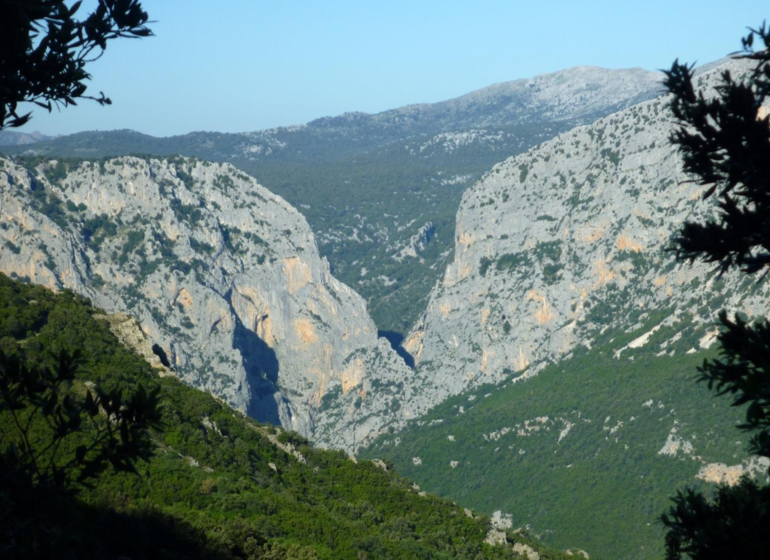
x: 244, y: 65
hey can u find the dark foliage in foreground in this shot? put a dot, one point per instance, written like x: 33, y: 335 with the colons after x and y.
x: 45, y: 49
x: 725, y: 145
x: 214, y: 486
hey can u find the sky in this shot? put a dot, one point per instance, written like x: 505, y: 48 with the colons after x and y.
x: 246, y: 65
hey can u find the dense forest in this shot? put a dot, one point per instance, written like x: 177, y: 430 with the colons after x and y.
x: 615, y: 429
x: 217, y: 484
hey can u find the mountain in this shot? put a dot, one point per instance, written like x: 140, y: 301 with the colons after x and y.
x: 368, y: 184
x: 12, y: 138
x: 583, y: 92
x: 223, y: 276
x: 217, y: 485
x: 557, y: 245
x: 550, y: 360
x: 571, y: 336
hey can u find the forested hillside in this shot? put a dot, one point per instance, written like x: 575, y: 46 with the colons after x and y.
x: 218, y: 485
x: 588, y: 452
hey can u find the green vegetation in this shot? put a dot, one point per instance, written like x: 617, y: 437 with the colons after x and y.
x: 725, y: 147
x: 186, y: 212
x: 48, y: 47
x: 511, y: 262
x: 590, y: 475
x: 49, y: 204
x: 95, y: 230
x: 12, y: 247
x: 523, y: 171
x: 55, y: 172
x: 364, y: 194
x: 484, y: 265
x: 133, y: 240
x: 215, y: 486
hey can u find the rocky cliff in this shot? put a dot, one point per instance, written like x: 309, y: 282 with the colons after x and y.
x: 567, y: 340
x: 369, y: 184
x: 223, y: 276
x: 557, y: 245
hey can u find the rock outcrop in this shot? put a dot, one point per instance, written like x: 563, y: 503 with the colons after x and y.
x: 368, y: 184
x: 556, y: 245
x: 129, y: 331
x: 223, y: 276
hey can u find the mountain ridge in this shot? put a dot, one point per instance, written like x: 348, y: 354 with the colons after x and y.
x: 15, y: 138
x: 368, y: 183
x: 648, y: 84
x: 559, y: 352
x: 554, y: 243
x: 223, y: 275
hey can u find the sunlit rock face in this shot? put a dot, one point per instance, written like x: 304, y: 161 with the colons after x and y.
x: 384, y: 184
x: 554, y: 246
x: 223, y: 276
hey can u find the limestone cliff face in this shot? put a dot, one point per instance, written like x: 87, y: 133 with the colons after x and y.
x: 223, y: 276
x: 555, y: 245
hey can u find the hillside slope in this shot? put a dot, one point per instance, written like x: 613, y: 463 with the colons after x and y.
x: 588, y: 452
x: 555, y: 246
x: 218, y: 486
x: 370, y: 184
x: 223, y: 276
x: 562, y: 288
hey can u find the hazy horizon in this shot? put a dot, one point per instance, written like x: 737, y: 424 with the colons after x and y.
x: 287, y: 65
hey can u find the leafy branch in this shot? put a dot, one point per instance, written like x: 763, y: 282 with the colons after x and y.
x: 63, y: 438
x: 46, y: 48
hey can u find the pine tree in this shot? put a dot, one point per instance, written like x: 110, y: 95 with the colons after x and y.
x: 724, y: 140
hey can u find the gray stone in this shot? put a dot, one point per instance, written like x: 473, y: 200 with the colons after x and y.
x: 221, y: 274
x: 568, y: 239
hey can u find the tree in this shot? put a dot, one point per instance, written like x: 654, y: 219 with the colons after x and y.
x: 62, y: 436
x: 60, y: 433
x: 44, y: 53
x: 724, y: 140
x: 45, y: 50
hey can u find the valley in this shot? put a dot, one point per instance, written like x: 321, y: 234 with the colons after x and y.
x: 481, y: 295
x: 370, y: 186
x: 218, y: 484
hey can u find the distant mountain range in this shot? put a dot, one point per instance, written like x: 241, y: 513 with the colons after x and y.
x: 13, y: 138
x: 566, y: 339
x: 368, y: 184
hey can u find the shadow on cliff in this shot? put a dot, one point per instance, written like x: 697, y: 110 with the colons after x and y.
x: 261, y: 366
x: 395, y: 339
